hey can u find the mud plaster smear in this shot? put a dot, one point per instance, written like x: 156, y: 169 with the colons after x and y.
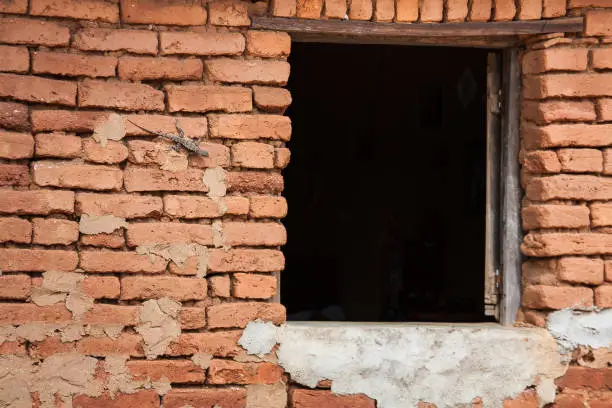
x: 402, y: 365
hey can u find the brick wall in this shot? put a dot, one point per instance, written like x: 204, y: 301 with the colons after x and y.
x: 130, y: 269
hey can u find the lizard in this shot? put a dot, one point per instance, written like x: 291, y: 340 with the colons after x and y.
x: 180, y: 140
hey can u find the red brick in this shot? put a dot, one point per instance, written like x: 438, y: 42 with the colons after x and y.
x: 176, y: 371
x: 580, y: 270
x: 21, y: 313
x: 283, y: 8
x: 233, y: 397
x: 601, y: 58
x: 58, y: 144
x: 207, y: 43
x: 220, y: 285
x: 147, y: 287
x: 192, y: 126
x: 14, y: 59
x: 564, y: 243
x: 171, y: 13
x: 112, y: 315
x: 604, y: 401
x: 250, y: 127
x: 505, y: 10
x: 14, y: 6
x: 552, y: 111
x: 252, y: 286
x: 61, y: 63
x: 113, y: 261
x: 603, y: 298
x: 140, y: 399
x: 114, y: 240
x: 604, y: 106
x: 148, y: 68
x: 310, y: 9
x: 253, y: 155
x: 360, y: 10
x: 456, y: 10
x: 192, y: 318
x: 111, y: 39
x: 335, y: 9
x: 247, y: 71
x: 114, y: 152
x: 589, y: 3
x: 186, y: 206
x: 598, y: 22
x: 526, y: 399
x: 149, y: 179
x: 15, y: 230
x: 168, y: 232
x: 271, y: 99
x: 218, y: 344
x: 37, y: 89
x: 75, y: 121
x: 555, y: 216
x: 14, y: 175
x: 54, y: 231
x: 126, y: 344
x: 33, y: 32
x: 607, y: 161
x: 431, y: 11
x: 384, y: 10
x: 15, y: 286
x: 204, y: 98
x: 555, y: 59
x: 268, y: 207
x: 480, y: 10
x: 608, y: 269
x: 223, y: 372
x: 254, y: 233
x: 120, y: 95
x: 583, y: 377
x: 14, y: 116
x: 69, y: 175
x: 541, y: 161
x: 581, y: 160
x: 303, y: 398
x: 245, y: 260
x: 156, y: 152
x: 16, y: 145
x: 553, y: 8
x: 406, y: 11
x: 557, y: 297
x: 573, y: 85
x: 36, y: 202
x: 228, y: 13
x: 565, y: 135
x: 218, y: 156
x: 578, y: 187
x: 228, y: 315
x: 101, y: 287
x: 15, y: 348
x: 81, y: 9
x: 120, y: 205
x: 37, y: 260
x: 529, y: 9
x: 601, y: 214
x: 255, y: 181
x: 49, y: 346
x: 569, y: 401
x: 282, y: 157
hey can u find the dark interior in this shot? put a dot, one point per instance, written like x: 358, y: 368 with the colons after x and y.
x: 386, y: 185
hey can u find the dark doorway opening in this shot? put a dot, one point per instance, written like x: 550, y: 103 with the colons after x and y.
x: 387, y: 184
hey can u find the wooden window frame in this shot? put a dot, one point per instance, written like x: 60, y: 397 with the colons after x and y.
x: 503, y: 233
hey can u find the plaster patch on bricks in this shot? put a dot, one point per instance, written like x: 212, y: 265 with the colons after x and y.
x: 174, y: 161
x: 401, y: 365
x: 178, y: 253
x: 218, y: 236
x: 202, y: 360
x: 100, y: 224
x: 266, y: 395
x: 159, y: 325
x: 63, y: 286
x: 112, y: 128
x: 215, y: 178
x: 574, y: 328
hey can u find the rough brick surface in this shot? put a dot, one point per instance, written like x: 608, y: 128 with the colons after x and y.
x: 218, y: 344
x: 228, y: 315
x: 603, y: 296
x: 566, y: 135
x: 150, y: 179
x: 107, y: 39
x: 229, y: 13
x: 126, y: 344
x: 69, y: 175
x: 220, y: 285
x: 254, y: 233
x: 552, y: 111
x: 557, y: 297
x: 33, y: 32
x: 303, y: 398
x: 253, y: 155
x: 14, y: 175
x: 254, y: 181
x: 168, y: 232
x: 119, y: 205
x: 253, y: 286
x: 567, y: 85
x: 272, y: 99
x: 232, y: 397
x: 149, y: 68
x: 101, y: 287
x: 268, y: 207
x: 176, y: 371
x: 14, y: 59
x: 36, y: 89
x: 208, y: 43
x: 480, y: 10
x: 15, y: 286
x: 204, y: 98
x: 575, y: 187
x: 581, y: 160
x: 17, y: 260
x: 113, y: 153
x: 15, y: 145
x: 597, y: 22
x: 14, y: 6
x: 141, y: 399
x: 59, y: 63
x: 14, y: 116
x: 541, y: 161
x: 172, y: 13
x: 247, y: 71
x: 58, y: 144
x: 581, y: 270
x: 555, y: 216
x: 104, y: 261
x: 144, y: 287
x: 233, y: 372
x: 555, y: 59
x: 567, y: 243
x: 185, y: 206
x: 81, y: 9
x: 13, y: 229
x: 41, y: 202
x: 120, y: 95
x: 250, y: 127
x: 268, y: 44
x: 21, y: 313
x: 601, y: 214
x: 54, y: 231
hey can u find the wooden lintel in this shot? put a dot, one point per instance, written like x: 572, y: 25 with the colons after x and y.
x: 399, y: 30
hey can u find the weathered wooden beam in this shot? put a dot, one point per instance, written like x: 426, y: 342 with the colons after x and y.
x: 398, y: 30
